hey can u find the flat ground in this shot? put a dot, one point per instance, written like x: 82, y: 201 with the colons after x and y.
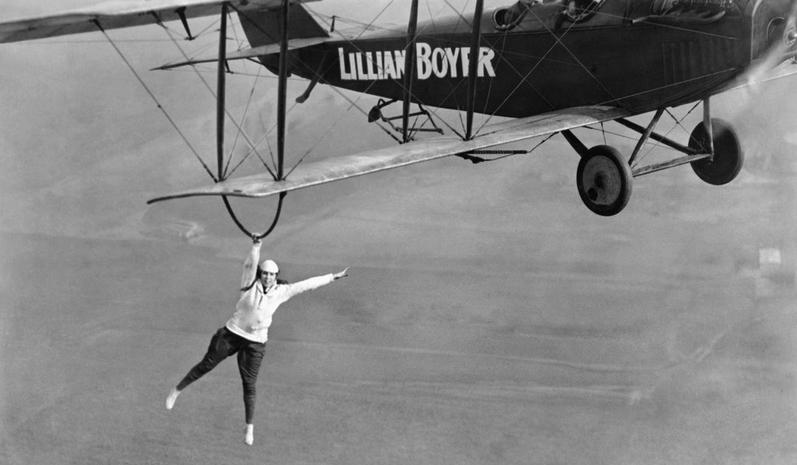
x: 489, y: 318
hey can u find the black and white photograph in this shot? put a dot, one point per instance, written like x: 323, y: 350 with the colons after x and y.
x: 376, y: 232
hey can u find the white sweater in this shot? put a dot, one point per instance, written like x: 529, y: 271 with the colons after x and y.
x: 255, y: 307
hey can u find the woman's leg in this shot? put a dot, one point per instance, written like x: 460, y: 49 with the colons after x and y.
x: 221, y: 346
x: 249, y: 360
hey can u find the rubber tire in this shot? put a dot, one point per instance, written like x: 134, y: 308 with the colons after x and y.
x: 604, y: 180
x: 728, y: 155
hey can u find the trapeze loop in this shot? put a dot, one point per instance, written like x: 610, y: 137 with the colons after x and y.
x: 244, y: 229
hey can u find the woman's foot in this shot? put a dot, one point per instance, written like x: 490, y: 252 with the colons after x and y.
x: 249, y: 439
x: 172, y: 398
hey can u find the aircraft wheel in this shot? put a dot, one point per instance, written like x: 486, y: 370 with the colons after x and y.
x: 604, y: 180
x: 728, y: 155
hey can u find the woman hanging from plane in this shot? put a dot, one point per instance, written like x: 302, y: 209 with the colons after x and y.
x: 246, y: 332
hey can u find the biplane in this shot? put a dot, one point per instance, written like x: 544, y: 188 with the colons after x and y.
x: 545, y: 67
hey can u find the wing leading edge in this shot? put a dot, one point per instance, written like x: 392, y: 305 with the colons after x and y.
x: 121, y: 14
x: 339, y: 168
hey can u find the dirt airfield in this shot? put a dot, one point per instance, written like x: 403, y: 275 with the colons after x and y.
x: 489, y: 318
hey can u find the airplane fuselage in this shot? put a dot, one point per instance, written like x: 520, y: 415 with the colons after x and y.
x: 637, y: 54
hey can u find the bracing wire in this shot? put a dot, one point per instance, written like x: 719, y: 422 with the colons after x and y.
x: 401, y: 85
x: 525, y: 77
x: 374, y: 20
x: 226, y: 201
x: 248, y: 101
x: 317, y: 75
x: 243, y: 118
x: 431, y: 16
x: 213, y: 93
x: 652, y: 145
x: 155, y: 99
x: 238, y: 41
x: 370, y: 25
x: 459, y: 13
x: 619, y: 135
x: 327, y: 19
x: 666, y: 134
x: 206, y: 29
x: 557, y: 41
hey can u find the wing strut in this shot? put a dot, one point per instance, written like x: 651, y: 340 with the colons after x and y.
x: 645, y: 135
x: 282, y: 91
x: 221, y: 87
x: 281, y: 109
x: 181, y: 13
x: 409, y: 71
x: 475, y: 55
x: 708, y: 125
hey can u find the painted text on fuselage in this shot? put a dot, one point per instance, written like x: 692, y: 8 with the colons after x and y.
x: 439, y: 62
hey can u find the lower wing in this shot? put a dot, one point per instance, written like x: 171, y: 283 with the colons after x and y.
x: 339, y: 168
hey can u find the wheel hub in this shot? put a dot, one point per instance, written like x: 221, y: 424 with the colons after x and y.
x: 604, y: 180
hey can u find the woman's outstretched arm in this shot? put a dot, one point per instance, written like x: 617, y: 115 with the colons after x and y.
x: 250, y: 264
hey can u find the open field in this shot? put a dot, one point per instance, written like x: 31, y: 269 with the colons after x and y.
x: 501, y: 325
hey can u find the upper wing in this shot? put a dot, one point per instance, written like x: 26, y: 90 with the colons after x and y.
x: 121, y: 14
x: 335, y: 169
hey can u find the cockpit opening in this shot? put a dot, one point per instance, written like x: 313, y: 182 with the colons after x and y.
x: 691, y: 11
x: 580, y: 11
x: 574, y: 11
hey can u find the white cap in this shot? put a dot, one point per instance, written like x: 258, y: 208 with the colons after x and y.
x: 269, y: 266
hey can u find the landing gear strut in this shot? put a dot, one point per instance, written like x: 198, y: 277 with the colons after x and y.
x: 605, y: 179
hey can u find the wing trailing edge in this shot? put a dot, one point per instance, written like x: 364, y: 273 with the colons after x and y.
x: 339, y: 168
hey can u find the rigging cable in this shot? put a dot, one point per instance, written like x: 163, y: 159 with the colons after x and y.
x: 317, y: 75
x: 365, y: 29
x: 399, y: 83
x: 155, y: 99
x: 677, y: 125
x: 210, y: 89
x: 612, y: 98
x: 525, y: 77
x: 557, y: 41
x: 244, y: 115
x: 652, y: 144
x: 461, y: 15
x: 225, y: 199
x: 228, y: 173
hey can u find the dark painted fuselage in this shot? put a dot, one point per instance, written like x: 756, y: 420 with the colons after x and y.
x: 637, y: 54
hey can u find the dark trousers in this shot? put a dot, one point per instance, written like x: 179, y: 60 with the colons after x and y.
x: 250, y: 354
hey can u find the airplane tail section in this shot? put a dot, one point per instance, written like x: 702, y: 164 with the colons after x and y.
x: 264, y: 27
